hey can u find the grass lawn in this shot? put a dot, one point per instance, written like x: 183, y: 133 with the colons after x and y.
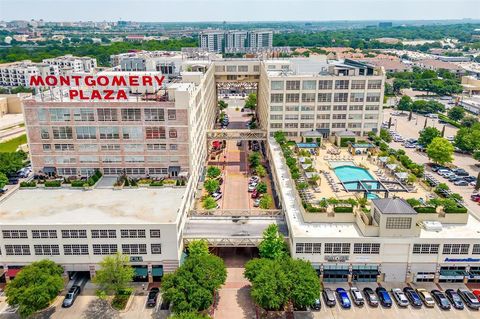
x: 11, y: 145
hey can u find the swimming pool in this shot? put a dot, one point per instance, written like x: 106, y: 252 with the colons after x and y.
x: 350, y: 173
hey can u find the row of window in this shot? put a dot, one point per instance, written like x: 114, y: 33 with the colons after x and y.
x: 337, y: 116
x: 93, y: 159
x: 294, y: 85
x: 84, y: 171
x: 324, y: 97
x: 108, y: 147
x: 104, y: 115
x: 106, y: 133
x: 374, y: 248
x: 82, y: 249
x: 320, y: 125
x: 311, y: 108
x: 81, y: 233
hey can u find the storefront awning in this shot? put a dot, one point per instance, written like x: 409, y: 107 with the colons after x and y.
x: 141, y: 271
x: 336, y: 271
x: 157, y: 271
x: 453, y: 273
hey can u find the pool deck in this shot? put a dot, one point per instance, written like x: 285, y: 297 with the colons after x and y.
x: 359, y: 160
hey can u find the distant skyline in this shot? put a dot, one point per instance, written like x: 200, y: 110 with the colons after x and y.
x: 229, y: 10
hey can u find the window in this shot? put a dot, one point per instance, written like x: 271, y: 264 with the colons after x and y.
x: 59, y: 115
x: 323, y: 116
x: 173, y: 147
x: 104, y: 233
x: 292, y: 97
x: 308, y: 97
x: 354, y: 116
x: 158, y: 171
x: 134, y: 249
x: 355, y: 107
x: 455, y: 249
x: 276, y: 125
x: 88, y: 159
x: 87, y: 147
x: 154, y: 115
x: 366, y: 248
x: 45, y: 135
x: 132, y: 133
x: 425, y: 248
x: 323, y: 108
x: 476, y: 249
x: 154, y: 233
x: 75, y: 233
x: 356, y: 97
x: 41, y: 250
x: 324, y: 97
x: 132, y: 233
x: 172, y: 115
x: 339, y: 107
x: 75, y: 249
x: 110, y: 147
x: 67, y: 171
x: 340, y: 97
x: 358, y: 84
x: 324, y: 85
x: 62, y: 132
x: 337, y: 248
x: 231, y: 68
x: 156, y: 147
x: 86, y: 132
x: 339, y: 116
x: 152, y: 133
x: 338, y: 125
x: 371, y: 108
x: 307, y: 108
x: 42, y: 115
x: 291, y: 117
x: 51, y: 233
x: 46, y: 147
x: 276, y: 97
x: 293, y: 85
x: 107, y: 115
x: 134, y: 159
x: 17, y: 250
x: 64, y: 147
x: 375, y: 84
x: 156, y: 249
x: 308, y: 248
x: 373, y: 97
x: 277, y: 85
x: 112, y: 159
x: 133, y: 147
x: 307, y: 116
x: 291, y: 125
x: 398, y: 223
x: 276, y: 108
x: 172, y: 133
x: 108, y: 132
x: 104, y: 249
x: 14, y: 234
x: 341, y: 84
x: 131, y: 115
x: 276, y: 117
x: 83, y: 115
x: 292, y: 108
x: 243, y: 68
x: 309, y: 85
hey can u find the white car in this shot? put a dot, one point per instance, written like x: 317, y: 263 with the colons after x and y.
x: 217, y: 195
x: 450, y: 138
x: 254, y: 179
x: 252, y: 187
x: 400, y: 297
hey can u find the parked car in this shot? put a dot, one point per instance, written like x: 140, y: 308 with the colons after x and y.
x: 317, y: 305
x: 470, y: 178
x: 370, y: 296
x: 454, y: 178
x: 252, y: 187
x: 460, y: 172
x: 329, y: 297
x: 408, y: 145
x: 357, y: 297
x: 239, y: 143
x: 400, y: 297
x: 13, y: 181
x: 440, y: 299
x: 413, y: 297
x: 152, y: 297
x: 71, y: 296
x: 426, y: 297
x: 460, y: 182
x: 255, y: 194
x: 436, y: 167
x: 444, y: 171
x: 256, y: 202
x: 343, y: 298
x: 475, y: 197
x: 384, y: 297
x: 450, y: 138
x: 454, y: 299
x: 476, y: 292
x: 217, y: 195
x: 469, y: 298
x: 254, y: 179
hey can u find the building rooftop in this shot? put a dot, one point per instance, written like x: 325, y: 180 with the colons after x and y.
x: 470, y: 230
x: 390, y: 206
x: 99, y: 206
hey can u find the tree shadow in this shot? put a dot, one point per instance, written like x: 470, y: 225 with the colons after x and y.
x: 100, y: 309
x: 245, y: 302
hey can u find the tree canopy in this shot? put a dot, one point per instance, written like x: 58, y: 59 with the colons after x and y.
x: 468, y: 138
x: 211, y: 185
x: 456, y: 113
x: 213, y: 172
x: 3, y: 180
x: 427, y: 135
x: 35, y: 287
x: 440, y: 150
x: 198, y: 248
x: 114, y: 275
x: 11, y: 162
x: 251, y: 101
x: 273, y: 245
x: 189, y: 315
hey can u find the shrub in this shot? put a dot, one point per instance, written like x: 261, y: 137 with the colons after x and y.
x: 413, y: 202
x: 53, y: 183
x: 343, y: 209
x: 455, y: 210
x: 346, y: 140
x: 156, y: 183
x: 78, y: 183
x: 425, y: 209
x: 120, y: 300
x: 28, y: 184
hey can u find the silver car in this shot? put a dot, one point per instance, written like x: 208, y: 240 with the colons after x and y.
x: 400, y: 297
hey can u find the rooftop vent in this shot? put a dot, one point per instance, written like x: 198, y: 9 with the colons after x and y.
x: 432, y: 225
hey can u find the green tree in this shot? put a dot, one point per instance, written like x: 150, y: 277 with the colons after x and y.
x: 11, y: 162
x: 399, y: 84
x: 3, y: 180
x: 385, y: 135
x: 427, y: 135
x: 273, y: 244
x: 114, y: 275
x: 280, y: 137
x: 222, y: 105
x: 251, y: 101
x: 266, y: 202
x: 198, y: 248
x: 261, y: 187
x: 211, y: 185
x: 456, y: 113
x: 305, y: 285
x: 35, y: 287
x: 468, y: 138
x: 209, y: 203
x: 405, y: 103
x: 254, y: 159
x: 189, y: 315
x: 440, y: 150
x: 468, y: 121
x: 270, y: 288
x: 261, y: 171
x: 213, y: 172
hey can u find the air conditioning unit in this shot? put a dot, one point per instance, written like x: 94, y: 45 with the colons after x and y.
x: 431, y: 225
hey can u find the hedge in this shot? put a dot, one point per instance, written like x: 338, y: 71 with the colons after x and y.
x: 343, y: 209
x: 345, y: 140
x: 156, y: 183
x: 449, y: 121
x: 78, y: 183
x: 455, y: 210
x: 28, y: 184
x: 425, y: 209
x: 53, y: 183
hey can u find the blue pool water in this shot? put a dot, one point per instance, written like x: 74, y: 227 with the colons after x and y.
x: 354, y: 173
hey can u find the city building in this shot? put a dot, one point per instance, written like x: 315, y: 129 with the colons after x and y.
x: 73, y: 64
x: 213, y: 41
x: 235, y: 41
x: 436, y: 65
x: 19, y: 73
x: 471, y: 85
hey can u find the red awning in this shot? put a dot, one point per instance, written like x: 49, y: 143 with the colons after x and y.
x: 13, y: 272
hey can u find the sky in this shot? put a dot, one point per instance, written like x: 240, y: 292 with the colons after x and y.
x: 233, y: 10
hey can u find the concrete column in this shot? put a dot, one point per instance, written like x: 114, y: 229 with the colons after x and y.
x: 92, y: 271
x: 150, y: 276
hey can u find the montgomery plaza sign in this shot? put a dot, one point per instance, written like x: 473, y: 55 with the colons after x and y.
x: 101, y: 86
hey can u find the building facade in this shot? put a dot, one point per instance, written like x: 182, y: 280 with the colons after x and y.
x: 73, y: 64
x: 235, y: 41
x: 19, y: 73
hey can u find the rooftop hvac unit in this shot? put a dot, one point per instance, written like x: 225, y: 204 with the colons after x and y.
x: 432, y: 225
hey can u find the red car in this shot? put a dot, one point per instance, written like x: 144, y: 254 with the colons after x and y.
x: 255, y: 194
x: 476, y: 292
x: 475, y: 198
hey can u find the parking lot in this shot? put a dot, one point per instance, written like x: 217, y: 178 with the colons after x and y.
x: 395, y: 311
